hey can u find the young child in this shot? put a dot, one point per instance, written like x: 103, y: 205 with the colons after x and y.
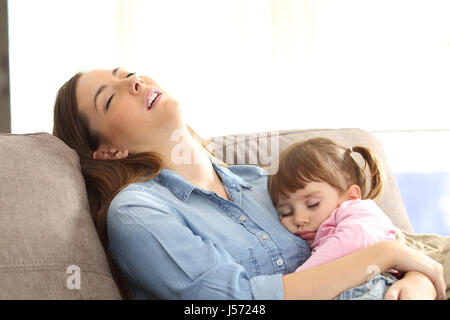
x: 318, y: 192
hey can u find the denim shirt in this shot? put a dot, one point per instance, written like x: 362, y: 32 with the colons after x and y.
x: 172, y: 240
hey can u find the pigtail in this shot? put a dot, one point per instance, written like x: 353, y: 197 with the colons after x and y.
x: 376, y: 171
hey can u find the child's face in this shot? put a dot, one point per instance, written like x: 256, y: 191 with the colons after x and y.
x: 304, y: 210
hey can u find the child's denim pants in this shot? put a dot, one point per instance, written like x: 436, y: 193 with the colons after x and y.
x: 374, y: 289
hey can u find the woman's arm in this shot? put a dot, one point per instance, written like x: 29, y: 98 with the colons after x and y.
x: 413, y: 286
x: 163, y: 258
x: 328, y: 280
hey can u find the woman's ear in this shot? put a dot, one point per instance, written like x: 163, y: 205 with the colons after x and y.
x: 109, y: 153
x: 353, y: 192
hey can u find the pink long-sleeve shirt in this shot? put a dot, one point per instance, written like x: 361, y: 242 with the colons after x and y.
x: 354, y: 225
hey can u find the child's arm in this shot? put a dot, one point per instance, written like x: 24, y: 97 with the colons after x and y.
x: 347, y: 239
x: 357, y: 225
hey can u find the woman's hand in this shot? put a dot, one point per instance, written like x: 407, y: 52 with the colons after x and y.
x: 408, y: 259
x: 413, y: 286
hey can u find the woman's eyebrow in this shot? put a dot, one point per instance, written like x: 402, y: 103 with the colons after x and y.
x: 103, y: 88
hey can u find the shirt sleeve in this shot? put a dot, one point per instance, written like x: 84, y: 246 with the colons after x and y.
x: 162, y: 256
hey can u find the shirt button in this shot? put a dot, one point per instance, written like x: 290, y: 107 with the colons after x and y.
x: 243, y: 218
x: 264, y: 236
x: 279, y: 262
x: 232, y: 195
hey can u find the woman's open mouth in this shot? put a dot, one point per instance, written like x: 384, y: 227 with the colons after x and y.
x: 152, y: 98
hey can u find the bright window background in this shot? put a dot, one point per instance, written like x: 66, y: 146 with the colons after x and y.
x: 254, y: 65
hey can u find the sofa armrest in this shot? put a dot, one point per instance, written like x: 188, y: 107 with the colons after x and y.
x: 46, y: 228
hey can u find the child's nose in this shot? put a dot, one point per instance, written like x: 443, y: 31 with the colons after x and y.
x: 301, y: 219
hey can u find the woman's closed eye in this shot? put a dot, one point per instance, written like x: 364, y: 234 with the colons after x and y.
x: 109, y: 102
x: 110, y: 98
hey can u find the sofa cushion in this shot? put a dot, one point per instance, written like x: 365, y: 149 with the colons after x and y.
x: 257, y: 149
x: 49, y: 246
x: 435, y: 246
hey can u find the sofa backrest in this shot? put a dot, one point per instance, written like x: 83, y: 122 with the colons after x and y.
x: 49, y: 248
x: 258, y: 149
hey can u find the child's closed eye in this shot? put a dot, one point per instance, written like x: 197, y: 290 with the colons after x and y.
x: 314, y: 205
x: 284, y: 214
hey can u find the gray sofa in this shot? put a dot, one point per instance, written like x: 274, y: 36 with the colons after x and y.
x: 49, y: 245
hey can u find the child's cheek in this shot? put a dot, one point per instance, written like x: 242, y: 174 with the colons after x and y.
x: 285, y: 224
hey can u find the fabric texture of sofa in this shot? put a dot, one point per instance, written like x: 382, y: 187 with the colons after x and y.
x: 50, y: 248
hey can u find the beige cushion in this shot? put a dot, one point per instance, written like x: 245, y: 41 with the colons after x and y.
x: 231, y: 149
x: 435, y: 246
x: 45, y: 224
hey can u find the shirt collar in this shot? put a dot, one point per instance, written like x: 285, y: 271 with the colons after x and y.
x: 182, y: 188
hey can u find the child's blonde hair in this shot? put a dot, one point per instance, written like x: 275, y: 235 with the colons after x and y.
x: 323, y: 160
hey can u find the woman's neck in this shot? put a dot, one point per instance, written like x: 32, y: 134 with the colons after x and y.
x: 186, y: 157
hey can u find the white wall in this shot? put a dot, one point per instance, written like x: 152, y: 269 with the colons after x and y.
x: 245, y: 65
x: 50, y: 41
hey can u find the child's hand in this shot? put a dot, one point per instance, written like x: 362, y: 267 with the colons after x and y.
x: 414, y: 286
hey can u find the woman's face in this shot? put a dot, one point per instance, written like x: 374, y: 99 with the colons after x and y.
x: 130, y: 112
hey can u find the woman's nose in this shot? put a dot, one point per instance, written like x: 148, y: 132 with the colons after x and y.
x: 135, y: 85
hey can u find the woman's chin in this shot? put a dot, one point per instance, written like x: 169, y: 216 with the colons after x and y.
x: 171, y: 105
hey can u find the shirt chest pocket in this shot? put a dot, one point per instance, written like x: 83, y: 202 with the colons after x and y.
x: 246, y: 258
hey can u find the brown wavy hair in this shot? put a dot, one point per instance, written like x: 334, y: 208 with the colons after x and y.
x: 104, y: 179
x: 323, y: 160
